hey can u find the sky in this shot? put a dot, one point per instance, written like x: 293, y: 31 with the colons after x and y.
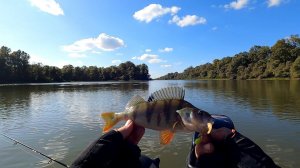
x: 167, y: 35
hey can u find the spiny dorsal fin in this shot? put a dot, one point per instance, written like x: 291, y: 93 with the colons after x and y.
x: 167, y: 93
x: 134, y: 101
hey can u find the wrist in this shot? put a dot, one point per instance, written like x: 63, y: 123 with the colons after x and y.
x: 112, y: 135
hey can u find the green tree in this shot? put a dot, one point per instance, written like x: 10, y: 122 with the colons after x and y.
x: 105, y: 73
x: 259, y: 62
x: 142, y: 72
x: 294, y: 40
x: 281, y: 51
x: 14, y: 67
x: 115, y: 73
x: 55, y: 74
x: 67, y: 72
x: 295, y: 68
x: 128, y: 71
x: 93, y: 73
x: 4, y: 69
x: 258, y: 53
x: 36, y: 73
x: 17, y: 64
x: 78, y: 74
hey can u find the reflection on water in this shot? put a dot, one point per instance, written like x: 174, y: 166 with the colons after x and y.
x: 280, y: 97
x: 60, y: 119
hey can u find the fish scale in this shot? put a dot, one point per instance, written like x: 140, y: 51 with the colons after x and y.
x: 158, y: 113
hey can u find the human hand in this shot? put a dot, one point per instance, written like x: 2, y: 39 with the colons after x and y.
x: 132, y: 132
x: 206, y: 146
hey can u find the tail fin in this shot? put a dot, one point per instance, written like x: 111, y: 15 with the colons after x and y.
x: 110, y: 119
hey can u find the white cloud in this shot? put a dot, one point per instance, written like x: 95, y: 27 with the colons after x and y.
x: 148, y: 50
x: 272, y: 3
x: 77, y: 55
x: 238, y: 4
x: 145, y: 57
x: 49, y: 6
x: 116, y: 61
x: 166, y: 65
x: 103, y: 41
x: 154, y: 11
x: 214, y: 28
x: 96, y: 52
x: 167, y: 49
x: 151, y: 58
x: 155, y: 60
x: 34, y: 59
x: 188, y: 20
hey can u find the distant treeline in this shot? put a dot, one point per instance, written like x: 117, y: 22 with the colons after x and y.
x: 282, y: 60
x: 15, y: 68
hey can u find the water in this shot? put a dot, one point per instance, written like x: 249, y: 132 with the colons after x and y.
x: 62, y: 119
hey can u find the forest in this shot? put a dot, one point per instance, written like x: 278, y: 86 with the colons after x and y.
x: 282, y: 60
x: 15, y: 68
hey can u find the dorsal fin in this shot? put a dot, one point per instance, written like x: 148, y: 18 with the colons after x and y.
x: 134, y: 101
x: 167, y: 93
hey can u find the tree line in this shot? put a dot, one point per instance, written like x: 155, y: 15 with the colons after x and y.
x: 282, y: 60
x: 15, y: 68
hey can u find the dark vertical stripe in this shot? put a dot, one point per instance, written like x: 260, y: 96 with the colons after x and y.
x: 180, y: 105
x: 167, y: 110
x: 134, y: 113
x: 149, y: 111
x: 158, y: 119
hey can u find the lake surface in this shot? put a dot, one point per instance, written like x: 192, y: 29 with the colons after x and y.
x: 61, y: 119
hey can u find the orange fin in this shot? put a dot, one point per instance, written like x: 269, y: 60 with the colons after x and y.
x: 110, y: 120
x: 166, y: 137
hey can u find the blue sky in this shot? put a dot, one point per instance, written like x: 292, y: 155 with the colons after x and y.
x: 167, y: 35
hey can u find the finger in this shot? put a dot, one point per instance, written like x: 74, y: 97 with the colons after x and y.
x: 139, y: 131
x: 202, y: 149
x: 136, y: 134
x: 205, y: 139
x: 220, y: 134
x: 126, y: 129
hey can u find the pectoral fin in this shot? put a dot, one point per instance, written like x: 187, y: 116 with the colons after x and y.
x: 166, y: 137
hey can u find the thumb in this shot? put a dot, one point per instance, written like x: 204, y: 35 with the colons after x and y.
x: 126, y: 129
x: 202, y: 149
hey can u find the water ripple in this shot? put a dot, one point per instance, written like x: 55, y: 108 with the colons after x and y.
x: 61, y: 119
